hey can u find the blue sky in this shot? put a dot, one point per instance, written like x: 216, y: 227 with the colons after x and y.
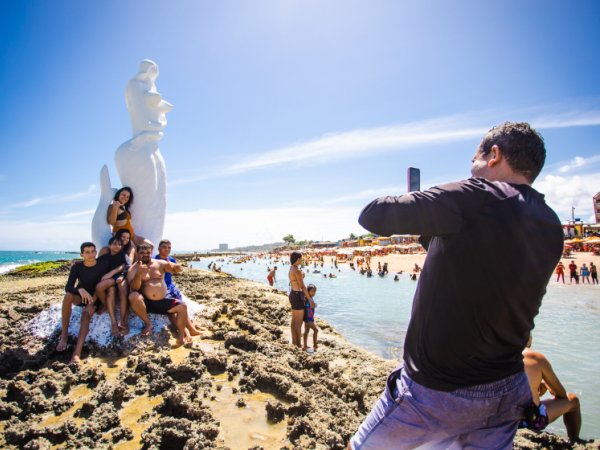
x: 289, y: 116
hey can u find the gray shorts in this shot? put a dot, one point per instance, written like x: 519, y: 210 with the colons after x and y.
x: 409, y: 415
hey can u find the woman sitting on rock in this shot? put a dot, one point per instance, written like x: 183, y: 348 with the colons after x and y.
x: 119, y: 216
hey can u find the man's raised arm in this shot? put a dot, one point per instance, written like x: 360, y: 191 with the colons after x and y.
x: 434, y: 212
x: 172, y: 267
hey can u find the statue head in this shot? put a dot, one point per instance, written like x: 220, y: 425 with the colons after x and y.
x: 148, y: 69
x: 145, y: 104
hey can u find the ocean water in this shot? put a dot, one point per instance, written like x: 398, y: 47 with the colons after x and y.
x: 10, y: 260
x: 374, y: 314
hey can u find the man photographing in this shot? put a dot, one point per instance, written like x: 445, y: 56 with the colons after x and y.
x: 493, y: 244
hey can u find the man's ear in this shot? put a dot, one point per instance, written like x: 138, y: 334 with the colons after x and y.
x: 496, y: 156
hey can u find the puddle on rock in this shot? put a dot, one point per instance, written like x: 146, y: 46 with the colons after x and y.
x: 245, y: 427
x: 130, y: 415
x: 79, y: 394
x: 111, y: 366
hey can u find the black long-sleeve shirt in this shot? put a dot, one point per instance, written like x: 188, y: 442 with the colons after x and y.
x: 492, y: 247
x: 86, y: 277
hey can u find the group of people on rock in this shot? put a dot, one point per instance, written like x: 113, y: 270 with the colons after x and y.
x: 124, y: 267
x: 574, y: 275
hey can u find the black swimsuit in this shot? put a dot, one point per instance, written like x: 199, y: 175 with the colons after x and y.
x: 297, y: 300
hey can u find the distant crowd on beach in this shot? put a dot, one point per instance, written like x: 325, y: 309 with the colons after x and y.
x: 124, y: 268
x: 576, y: 274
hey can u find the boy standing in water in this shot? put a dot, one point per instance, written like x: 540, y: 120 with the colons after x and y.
x: 309, y: 320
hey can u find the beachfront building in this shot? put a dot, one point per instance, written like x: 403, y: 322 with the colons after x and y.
x: 324, y: 244
x: 383, y: 241
x: 403, y: 239
x: 597, y: 207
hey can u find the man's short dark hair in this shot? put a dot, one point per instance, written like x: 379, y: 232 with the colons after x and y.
x: 144, y: 246
x: 114, y: 239
x: 521, y: 145
x: 85, y: 245
x: 164, y: 242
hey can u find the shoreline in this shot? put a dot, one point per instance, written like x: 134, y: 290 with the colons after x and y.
x: 241, y: 366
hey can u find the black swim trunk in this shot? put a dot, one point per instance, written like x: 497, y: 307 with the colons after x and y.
x: 161, y: 306
x: 297, y: 300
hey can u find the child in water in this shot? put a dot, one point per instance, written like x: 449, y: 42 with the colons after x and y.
x: 309, y: 320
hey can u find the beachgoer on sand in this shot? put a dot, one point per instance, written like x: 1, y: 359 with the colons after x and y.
x: 573, y: 273
x: 462, y: 382
x: 594, y: 273
x: 560, y: 272
x: 540, y: 412
x: 149, y: 294
x: 297, y: 296
x: 309, y: 320
x: 585, y: 274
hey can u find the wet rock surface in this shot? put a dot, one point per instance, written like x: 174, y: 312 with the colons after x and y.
x: 320, y: 399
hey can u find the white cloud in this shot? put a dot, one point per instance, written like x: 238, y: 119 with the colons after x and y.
x: 369, y: 194
x: 87, y: 213
x: 26, y: 204
x: 196, y: 230
x: 205, y: 229
x: 356, y: 143
x: 55, y: 198
x: 362, y: 142
x: 40, y: 235
x: 576, y: 162
x: 565, y: 191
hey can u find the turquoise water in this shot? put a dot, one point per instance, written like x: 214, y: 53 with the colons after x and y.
x: 374, y: 313
x: 10, y: 260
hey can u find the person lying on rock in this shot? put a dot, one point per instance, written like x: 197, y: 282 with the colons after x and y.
x: 149, y: 293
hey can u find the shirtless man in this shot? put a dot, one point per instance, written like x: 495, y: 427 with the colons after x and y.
x: 149, y: 292
x: 541, y: 379
x: 271, y: 276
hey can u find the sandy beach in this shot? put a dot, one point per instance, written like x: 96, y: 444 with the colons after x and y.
x: 399, y: 262
x: 239, y: 386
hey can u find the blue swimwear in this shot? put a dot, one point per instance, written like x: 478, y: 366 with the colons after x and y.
x: 172, y: 291
x: 309, y: 313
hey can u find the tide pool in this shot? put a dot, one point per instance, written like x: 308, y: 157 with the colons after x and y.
x: 373, y: 313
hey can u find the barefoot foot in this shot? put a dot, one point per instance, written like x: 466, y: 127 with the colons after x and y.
x: 114, y: 330
x: 147, y: 329
x: 75, y: 360
x: 123, y: 329
x: 62, y: 345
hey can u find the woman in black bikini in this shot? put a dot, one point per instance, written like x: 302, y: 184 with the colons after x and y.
x: 119, y: 217
x: 298, y: 296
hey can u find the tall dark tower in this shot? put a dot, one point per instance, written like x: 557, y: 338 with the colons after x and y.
x: 414, y: 179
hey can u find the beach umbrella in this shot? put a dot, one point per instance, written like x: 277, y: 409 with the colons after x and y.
x: 574, y: 241
x: 592, y: 240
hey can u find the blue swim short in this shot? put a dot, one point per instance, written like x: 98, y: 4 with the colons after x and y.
x: 409, y: 415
